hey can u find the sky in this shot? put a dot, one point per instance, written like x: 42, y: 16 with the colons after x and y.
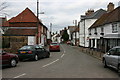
x: 61, y: 13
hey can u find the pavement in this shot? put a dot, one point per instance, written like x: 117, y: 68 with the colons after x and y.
x: 90, y: 52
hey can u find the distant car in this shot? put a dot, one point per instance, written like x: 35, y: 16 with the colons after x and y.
x: 69, y: 42
x: 112, y: 58
x: 54, y: 46
x: 9, y: 59
x: 32, y: 52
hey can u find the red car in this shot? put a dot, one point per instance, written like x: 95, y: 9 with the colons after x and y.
x: 8, y: 59
x: 54, y: 47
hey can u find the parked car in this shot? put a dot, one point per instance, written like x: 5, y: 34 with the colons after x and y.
x: 112, y: 58
x: 54, y: 46
x: 8, y: 59
x: 32, y: 52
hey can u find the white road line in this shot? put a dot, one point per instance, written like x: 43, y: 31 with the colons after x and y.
x: 50, y: 63
x: 62, y: 55
x: 63, y: 49
x: 20, y: 75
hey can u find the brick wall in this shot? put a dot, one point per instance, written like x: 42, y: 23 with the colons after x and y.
x: 16, y: 42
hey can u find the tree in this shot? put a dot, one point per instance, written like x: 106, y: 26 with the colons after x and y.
x: 65, y: 35
x: 3, y: 6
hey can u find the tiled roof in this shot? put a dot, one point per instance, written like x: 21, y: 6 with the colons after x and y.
x: 21, y: 32
x: 95, y: 15
x: 113, y: 16
x: 25, y: 16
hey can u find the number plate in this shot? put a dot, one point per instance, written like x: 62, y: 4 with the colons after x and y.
x: 22, y: 52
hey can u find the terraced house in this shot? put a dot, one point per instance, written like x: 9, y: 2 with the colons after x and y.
x: 24, y: 29
x: 105, y: 32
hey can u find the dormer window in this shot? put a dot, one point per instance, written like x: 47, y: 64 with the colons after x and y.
x: 114, y: 27
x: 95, y: 31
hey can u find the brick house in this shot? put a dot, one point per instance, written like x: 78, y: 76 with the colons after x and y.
x: 24, y: 29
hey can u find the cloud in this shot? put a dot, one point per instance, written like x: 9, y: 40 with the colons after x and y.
x: 59, y: 12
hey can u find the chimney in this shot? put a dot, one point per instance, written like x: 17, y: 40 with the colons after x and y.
x: 89, y: 12
x: 110, y: 7
x: 119, y: 3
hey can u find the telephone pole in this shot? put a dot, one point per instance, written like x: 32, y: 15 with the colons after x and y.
x: 51, y: 31
x: 37, y: 41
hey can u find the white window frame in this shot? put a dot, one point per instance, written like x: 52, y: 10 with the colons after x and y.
x: 114, y: 27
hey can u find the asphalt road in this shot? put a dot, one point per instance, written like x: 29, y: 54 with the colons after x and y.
x: 69, y: 63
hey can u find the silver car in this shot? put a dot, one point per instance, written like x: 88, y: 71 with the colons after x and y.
x: 112, y: 58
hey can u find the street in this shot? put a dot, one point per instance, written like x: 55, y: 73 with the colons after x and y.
x: 68, y: 63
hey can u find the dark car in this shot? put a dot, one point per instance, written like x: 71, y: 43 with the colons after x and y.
x: 8, y: 59
x: 54, y: 46
x: 112, y: 58
x: 32, y: 52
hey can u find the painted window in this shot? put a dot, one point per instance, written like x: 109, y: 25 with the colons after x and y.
x: 114, y: 27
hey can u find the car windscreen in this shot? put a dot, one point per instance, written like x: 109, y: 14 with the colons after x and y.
x: 26, y: 48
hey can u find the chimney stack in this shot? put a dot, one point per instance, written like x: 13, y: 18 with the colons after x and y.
x: 89, y: 12
x: 110, y: 7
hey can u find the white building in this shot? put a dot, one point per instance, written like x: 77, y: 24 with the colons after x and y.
x: 85, y: 22
x: 105, y: 32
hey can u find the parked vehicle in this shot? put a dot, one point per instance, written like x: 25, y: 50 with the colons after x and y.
x: 54, y: 46
x: 8, y: 59
x: 112, y: 58
x: 32, y: 52
x: 69, y: 42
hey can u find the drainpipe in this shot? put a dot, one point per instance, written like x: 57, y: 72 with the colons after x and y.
x: 84, y: 32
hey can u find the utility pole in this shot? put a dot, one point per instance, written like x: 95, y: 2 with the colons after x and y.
x: 37, y: 41
x: 51, y: 31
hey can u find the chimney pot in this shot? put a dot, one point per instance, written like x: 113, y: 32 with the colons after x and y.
x: 110, y: 7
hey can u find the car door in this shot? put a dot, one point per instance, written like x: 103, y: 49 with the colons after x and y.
x: 5, y: 58
x: 44, y: 52
x: 39, y: 51
x: 109, y: 56
x: 113, y: 57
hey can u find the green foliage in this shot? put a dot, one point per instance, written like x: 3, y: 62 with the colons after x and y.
x: 65, y: 36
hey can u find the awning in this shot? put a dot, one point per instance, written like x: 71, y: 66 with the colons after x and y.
x: 111, y: 36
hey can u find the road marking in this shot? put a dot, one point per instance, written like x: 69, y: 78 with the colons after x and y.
x: 50, y: 63
x: 20, y: 75
x: 63, y: 49
x: 62, y: 55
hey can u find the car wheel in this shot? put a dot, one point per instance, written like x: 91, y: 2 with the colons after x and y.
x: 104, y: 62
x: 36, y: 58
x: 48, y: 55
x: 13, y: 62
